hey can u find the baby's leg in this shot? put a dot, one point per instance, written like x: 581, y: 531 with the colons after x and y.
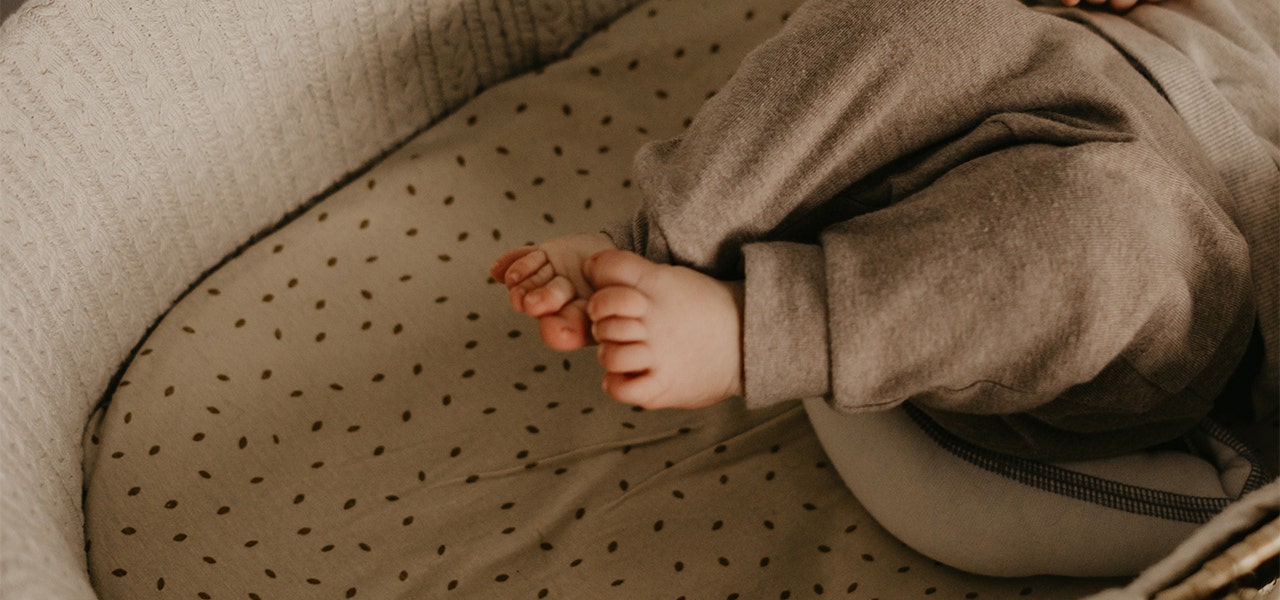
x: 670, y: 337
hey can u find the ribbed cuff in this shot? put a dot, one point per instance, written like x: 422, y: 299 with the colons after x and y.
x: 784, y: 331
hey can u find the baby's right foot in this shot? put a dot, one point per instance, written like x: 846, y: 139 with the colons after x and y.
x: 546, y: 282
x: 670, y: 337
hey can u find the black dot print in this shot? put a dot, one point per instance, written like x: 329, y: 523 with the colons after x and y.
x: 351, y: 409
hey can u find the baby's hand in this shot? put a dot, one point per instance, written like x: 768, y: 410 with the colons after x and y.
x: 1116, y: 5
x: 546, y: 282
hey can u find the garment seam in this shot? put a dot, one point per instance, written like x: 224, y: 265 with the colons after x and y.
x: 1136, y: 499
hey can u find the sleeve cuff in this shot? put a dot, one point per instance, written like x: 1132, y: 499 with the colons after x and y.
x: 785, y: 353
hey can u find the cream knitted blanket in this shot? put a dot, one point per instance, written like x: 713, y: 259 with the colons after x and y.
x: 143, y: 142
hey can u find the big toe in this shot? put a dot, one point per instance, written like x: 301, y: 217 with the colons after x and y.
x: 616, y: 267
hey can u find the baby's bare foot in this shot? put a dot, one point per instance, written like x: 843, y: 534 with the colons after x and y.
x: 670, y: 337
x: 546, y: 282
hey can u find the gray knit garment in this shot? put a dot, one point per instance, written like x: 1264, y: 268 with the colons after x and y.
x: 1057, y: 247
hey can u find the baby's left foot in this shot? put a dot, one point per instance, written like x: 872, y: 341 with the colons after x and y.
x: 670, y: 337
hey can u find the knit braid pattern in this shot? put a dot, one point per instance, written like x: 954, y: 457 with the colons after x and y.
x: 141, y: 143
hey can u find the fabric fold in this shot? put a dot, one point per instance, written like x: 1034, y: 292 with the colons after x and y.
x: 784, y: 348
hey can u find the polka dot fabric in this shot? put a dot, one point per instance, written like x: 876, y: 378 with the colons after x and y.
x: 349, y: 409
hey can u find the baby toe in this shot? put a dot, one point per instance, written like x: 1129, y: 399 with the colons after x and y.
x: 625, y: 358
x: 616, y: 267
x: 619, y: 330
x: 538, y: 278
x: 527, y: 266
x: 528, y: 283
x: 617, y: 301
x: 565, y: 330
x: 550, y: 297
x: 516, y: 296
x: 642, y: 390
x: 502, y: 265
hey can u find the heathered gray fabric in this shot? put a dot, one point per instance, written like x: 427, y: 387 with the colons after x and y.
x: 1222, y: 81
x: 987, y: 209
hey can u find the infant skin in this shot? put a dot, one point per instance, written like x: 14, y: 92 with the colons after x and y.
x: 667, y: 336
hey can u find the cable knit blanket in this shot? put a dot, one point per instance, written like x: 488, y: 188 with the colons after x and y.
x: 142, y: 143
